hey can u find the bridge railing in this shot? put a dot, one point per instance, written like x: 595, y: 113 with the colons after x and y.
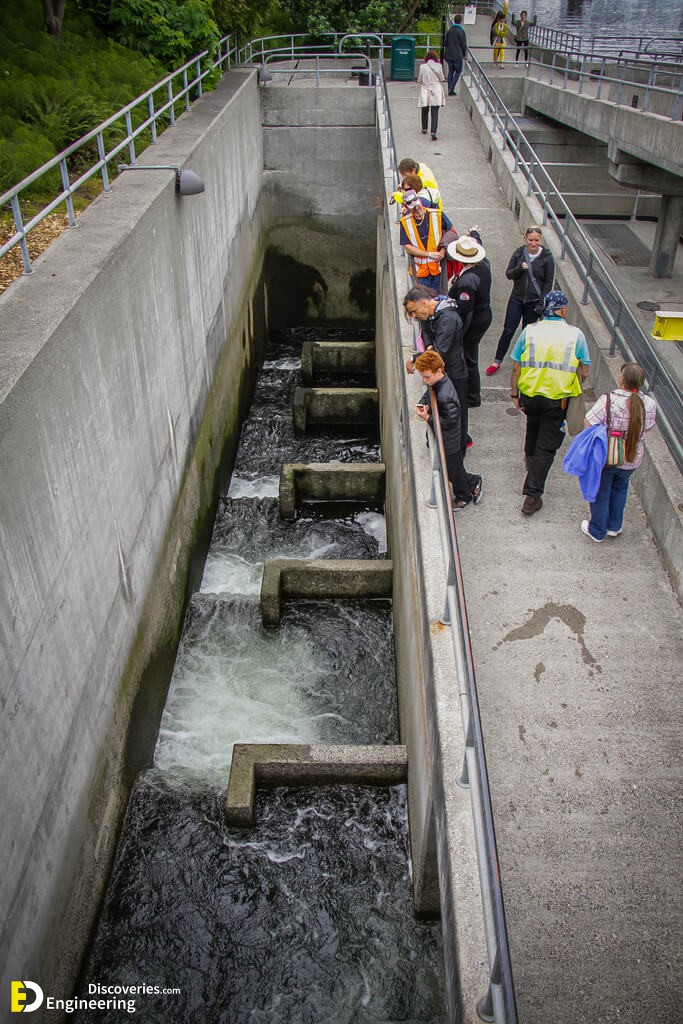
x: 658, y: 82
x: 627, y: 336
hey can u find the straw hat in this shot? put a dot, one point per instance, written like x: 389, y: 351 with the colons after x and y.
x: 466, y: 250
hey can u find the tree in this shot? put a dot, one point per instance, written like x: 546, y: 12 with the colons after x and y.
x: 53, y: 14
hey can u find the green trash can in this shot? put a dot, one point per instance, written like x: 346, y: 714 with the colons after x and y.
x: 403, y: 59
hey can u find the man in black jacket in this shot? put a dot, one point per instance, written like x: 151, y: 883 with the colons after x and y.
x: 454, y: 50
x: 441, y: 329
x: 471, y: 290
x: 532, y: 271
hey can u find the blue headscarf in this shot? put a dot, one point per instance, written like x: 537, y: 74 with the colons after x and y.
x: 554, y: 301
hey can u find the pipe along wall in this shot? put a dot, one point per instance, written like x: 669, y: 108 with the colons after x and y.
x: 126, y: 363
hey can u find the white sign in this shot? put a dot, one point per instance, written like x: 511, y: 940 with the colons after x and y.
x: 470, y: 14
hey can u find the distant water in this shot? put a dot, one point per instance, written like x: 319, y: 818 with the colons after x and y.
x: 602, y: 17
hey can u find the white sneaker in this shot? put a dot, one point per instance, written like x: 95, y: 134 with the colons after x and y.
x: 584, y: 529
x: 614, y: 533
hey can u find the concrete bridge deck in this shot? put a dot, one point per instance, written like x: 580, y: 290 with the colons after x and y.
x: 577, y: 654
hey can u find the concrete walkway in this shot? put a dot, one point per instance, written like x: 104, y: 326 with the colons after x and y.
x: 578, y: 652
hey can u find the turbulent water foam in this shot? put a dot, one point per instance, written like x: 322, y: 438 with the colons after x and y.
x: 306, y: 917
x: 247, y: 532
x: 326, y: 675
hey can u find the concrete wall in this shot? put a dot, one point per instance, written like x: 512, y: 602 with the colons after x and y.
x: 320, y: 187
x: 122, y: 366
x: 126, y: 362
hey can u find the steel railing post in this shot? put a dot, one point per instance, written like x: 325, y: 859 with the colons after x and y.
x: 130, y: 139
x: 103, y: 158
x: 589, y: 271
x: 66, y: 185
x: 150, y: 108
x: 19, y: 225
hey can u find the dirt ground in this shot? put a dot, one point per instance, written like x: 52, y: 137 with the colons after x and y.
x: 11, y: 265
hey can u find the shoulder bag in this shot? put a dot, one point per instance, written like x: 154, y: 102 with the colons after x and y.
x: 615, y: 439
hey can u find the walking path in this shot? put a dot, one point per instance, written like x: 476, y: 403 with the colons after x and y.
x: 577, y: 652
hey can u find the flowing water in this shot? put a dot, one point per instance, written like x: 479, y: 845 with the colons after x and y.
x: 607, y: 17
x: 307, y: 916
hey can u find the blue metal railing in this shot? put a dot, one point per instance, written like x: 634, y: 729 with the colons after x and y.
x: 158, y: 107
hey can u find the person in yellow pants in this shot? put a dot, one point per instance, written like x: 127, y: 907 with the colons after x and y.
x: 499, y: 34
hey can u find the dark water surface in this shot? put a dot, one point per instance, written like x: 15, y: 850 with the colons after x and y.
x: 306, y: 918
x: 607, y: 17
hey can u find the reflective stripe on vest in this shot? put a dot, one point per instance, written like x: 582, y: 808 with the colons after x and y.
x: 423, y: 266
x: 549, y: 364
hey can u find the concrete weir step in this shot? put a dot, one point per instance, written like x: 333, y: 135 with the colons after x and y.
x: 334, y: 407
x: 317, y: 577
x: 322, y: 481
x: 336, y: 357
x: 290, y: 764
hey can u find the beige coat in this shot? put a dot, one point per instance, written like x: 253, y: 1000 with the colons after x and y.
x: 431, y: 81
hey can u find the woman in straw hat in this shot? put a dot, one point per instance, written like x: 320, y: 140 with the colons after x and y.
x: 471, y: 290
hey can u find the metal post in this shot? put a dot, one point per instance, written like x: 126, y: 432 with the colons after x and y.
x: 485, y: 1007
x: 613, y: 339
x: 102, y: 155
x: 317, y: 70
x: 531, y: 174
x: 187, y: 98
x: 589, y: 270
x: 19, y: 225
x: 198, y: 68
x: 445, y: 619
x: 66, y: 185
x: 150, y: 107
x: 601, y: 75
x: 131, y: 140
x: 171, y: 109
x: 581, y: 75
x: 563, y: 251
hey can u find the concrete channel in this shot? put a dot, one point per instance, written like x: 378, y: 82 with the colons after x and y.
x: 125, y: 445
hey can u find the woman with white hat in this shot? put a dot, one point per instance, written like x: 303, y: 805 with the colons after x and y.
x: 471, y: 290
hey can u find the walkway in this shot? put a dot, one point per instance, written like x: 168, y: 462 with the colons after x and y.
x: 577, y: 649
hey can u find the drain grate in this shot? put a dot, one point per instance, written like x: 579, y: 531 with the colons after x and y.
x: 623, y: 247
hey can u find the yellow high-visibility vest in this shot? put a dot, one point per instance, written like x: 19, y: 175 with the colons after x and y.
x: 549, y: 364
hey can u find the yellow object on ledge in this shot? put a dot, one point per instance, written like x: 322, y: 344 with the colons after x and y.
x: 668, y: 325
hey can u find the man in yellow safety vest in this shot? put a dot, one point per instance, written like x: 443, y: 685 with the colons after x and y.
x: 550, y: 359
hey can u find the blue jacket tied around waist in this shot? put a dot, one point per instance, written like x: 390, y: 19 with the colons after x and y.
x: 586, y: 459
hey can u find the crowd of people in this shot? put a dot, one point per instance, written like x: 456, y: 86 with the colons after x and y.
x: 450, y: 299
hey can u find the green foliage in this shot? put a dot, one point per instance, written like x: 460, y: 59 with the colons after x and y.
x: 171, y: 30
x: 245, y: 18
x: 53, y: 91
x: 319, y: 16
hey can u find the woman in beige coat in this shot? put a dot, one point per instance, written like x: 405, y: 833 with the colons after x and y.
x: 431, y: 81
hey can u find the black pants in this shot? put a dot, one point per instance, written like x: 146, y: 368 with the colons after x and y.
x: 544, y: 435
x: 461, y: 386
x: 470, y: 343
x: 464, y: 483
x: 516, y: 310
x: 435, y: 118
x: 525, y: 47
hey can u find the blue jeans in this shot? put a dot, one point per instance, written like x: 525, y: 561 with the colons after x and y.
x: 454, y: 73
x: 607, y: 511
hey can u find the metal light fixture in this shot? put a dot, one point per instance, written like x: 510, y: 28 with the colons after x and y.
x: 264, y: 75
x: 187, y: 182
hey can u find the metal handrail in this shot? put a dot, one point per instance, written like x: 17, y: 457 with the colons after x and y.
x: 626, y: 333
x: 581, y: 68
x: 499, y: 1003
x: 155, y: 115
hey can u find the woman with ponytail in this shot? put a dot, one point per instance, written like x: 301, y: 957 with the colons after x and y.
x: 632, y: 414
